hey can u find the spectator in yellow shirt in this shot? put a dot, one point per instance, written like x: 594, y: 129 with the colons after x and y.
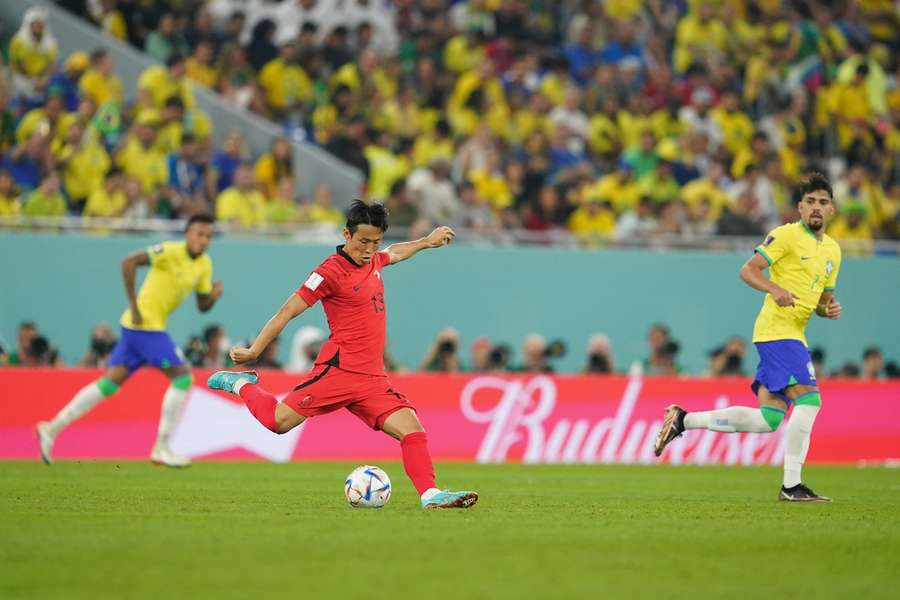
x: 84, y: 164
x: 32, y: 54
x: 593, y: 222
x: 109, y: 199
x: 160, y: 82
x: 852, y: 230
x: 99, y: 83
x: 736, y: 126
x: 198, y: 67
x: 699, y: 35
x: 619, y: 189
x: 241, y: 204
x: 285, y: 84
x: 852, y: 110
x: 322, y: 210
x: 9, y: 196
x: 282, y: 208
x: 274, y: 165
x: 141, y: 159
x: 46, y: 200
x: 434, y: 145
x: 51, y: 121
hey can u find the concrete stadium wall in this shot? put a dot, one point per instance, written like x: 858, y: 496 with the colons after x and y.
x: 67, y: 283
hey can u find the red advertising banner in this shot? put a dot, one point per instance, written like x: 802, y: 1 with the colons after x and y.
x: 484, y: 418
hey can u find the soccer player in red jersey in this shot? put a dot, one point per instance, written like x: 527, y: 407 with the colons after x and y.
x: 349, y: 370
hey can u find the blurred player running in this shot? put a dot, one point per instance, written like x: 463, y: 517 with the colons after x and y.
x: 349, y: 370
x: 804, y: 265
x: 176, y: 269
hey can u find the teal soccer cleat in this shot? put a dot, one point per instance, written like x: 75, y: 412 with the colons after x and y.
x: 448, y: 499
x: 225, y: 380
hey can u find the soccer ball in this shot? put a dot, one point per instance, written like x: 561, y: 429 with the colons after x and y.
x: 367, y: 487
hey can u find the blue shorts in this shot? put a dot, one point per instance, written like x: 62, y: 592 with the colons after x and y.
x: 137, y: 348
x: 783, y: 363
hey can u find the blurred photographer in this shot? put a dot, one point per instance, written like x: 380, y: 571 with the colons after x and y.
x: 443, y: 355
x: 728, y: 360
x: 216, y: 345
x: 195, y: 351
x: 498, y: 358
x: 536, y: 354
x: 663, y: 351
x: 103, y: 340
x: 480, y: 354
x: 599, y: 355
x: 305, y: 346
x: 41, y: 353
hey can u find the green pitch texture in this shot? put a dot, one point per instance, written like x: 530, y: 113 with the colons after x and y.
x: 252, y: 530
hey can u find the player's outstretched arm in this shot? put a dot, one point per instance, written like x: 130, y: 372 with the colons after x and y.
x: 292, y: 307
x: 129, y: 268
x: 206, y: 301
x: 437, y: 238
x: 828, y: 306
x: 752, y: 274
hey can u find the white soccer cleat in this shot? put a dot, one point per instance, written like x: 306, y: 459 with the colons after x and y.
x: 163, y: 456
x: 45, y: 440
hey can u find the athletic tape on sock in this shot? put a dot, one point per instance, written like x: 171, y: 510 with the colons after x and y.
x: 183, y: 382
x: 809, y: 399
x: 773, y: 416
x: 107, y: 387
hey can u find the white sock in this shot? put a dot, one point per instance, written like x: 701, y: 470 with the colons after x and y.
x: 430, y: 493
x: 797, y: 442
x: 172, y: 402
x: 236, y: 388
x: 87, y: 398
x: 728, y: 420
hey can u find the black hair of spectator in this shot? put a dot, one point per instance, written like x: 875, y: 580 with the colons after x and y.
x: 397, y: 187
x: 114, y: 171
x: 97, y: 54
x: 871, y: 351
x: 309, y: 27
x: 759, y: 135
x: 661, y: 326
x: 200, y: 218
x: 238, y: 14
x: 210, y: 331
x: 27, y: 325
x: 364, y: 25
x: 340, y: 31
x: 863, y: 70
x: 39, y: 348
x: 188, y: 138
x: 175, y: 59
x: 360, y: 213
x: 174, y: 102
x: 851, y: 369
x: 442, y: 127
x: 814, y: 182
x: 670, y: 348
x: 892, y: 370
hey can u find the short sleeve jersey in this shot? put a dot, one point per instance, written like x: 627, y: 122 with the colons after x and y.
x: 173, y: 275
x: 804, y: 266
x: 353, y: 298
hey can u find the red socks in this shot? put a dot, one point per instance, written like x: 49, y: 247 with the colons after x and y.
x: 261, y: 404
x: 416, y: 460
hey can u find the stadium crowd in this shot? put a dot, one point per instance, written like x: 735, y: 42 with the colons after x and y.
x: 446, y: 354
x: 619, y: 120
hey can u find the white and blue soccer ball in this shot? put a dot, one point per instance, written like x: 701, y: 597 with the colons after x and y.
x: 367, y: 487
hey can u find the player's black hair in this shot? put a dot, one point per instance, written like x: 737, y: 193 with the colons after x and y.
x: 814, y: 182
x: 360, y: 213
x: 199, y: 218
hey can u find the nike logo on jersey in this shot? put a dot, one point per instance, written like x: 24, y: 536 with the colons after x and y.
x: 805, y: 257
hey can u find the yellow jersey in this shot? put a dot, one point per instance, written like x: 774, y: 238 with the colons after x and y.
x: 804, y: 266
x: 246, y: 208
x: 173, y: 275
x: 101, y: 88
x: 159, y: 84
x: 33, y: 61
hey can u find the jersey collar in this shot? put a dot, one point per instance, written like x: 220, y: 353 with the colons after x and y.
x: 808, y: 230
x: 340, y: 250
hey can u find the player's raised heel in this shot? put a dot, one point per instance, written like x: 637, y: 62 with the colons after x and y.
x: 45, y: 440
x: 163, y: 456
x: 226, y: 380
x: 800, y: 493
x: 448, y: 499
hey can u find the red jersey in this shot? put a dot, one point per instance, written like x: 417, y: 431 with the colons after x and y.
x: 353, y: 297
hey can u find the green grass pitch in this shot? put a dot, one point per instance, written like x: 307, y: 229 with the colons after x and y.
x: 253, y: 530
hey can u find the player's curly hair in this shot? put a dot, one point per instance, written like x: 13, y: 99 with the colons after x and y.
x: 360, y: 213
x: 813, y: 182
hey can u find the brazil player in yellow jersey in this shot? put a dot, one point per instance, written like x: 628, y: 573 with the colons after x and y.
x: 803, y: 266
x: 176, y: 270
